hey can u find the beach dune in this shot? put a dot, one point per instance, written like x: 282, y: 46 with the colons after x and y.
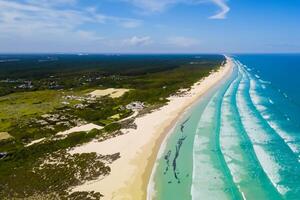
x: 138, y: 148
x: 112, y: 92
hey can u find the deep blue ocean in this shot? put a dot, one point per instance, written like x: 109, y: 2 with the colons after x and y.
x: 241, y: 140
x: 282, y: 71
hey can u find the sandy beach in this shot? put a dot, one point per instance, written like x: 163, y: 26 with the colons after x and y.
x: 86, y: 128
x: 112, y: 92
x: 139, y: 147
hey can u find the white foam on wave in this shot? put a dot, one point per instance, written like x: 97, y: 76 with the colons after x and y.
x: 257, y: 99
x: 290, y: 140
x: 250, y: 122
x: 259, y: 138
x: 267, y: 115
x: 271, y: 101
x: 208, y: 181
x: 264, y: 82
x: 228, y: 134
x: 247, y: 68
x: 229, y: 140
x: 294, y: 145
x: 271, y: 168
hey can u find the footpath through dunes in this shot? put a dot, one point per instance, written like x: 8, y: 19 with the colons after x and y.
x: 276, y: 158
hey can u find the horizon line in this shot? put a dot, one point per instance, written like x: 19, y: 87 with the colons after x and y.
x: 141, y: 53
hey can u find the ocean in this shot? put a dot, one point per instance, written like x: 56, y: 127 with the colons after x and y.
x: 241, y: 140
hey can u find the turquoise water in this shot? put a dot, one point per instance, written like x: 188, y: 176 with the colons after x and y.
x: 239, y: 141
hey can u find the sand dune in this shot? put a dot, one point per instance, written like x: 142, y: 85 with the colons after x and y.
x: 112, y: 92
x: 86, y: 128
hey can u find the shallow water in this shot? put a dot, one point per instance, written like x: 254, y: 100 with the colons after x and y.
x: 237, y: 142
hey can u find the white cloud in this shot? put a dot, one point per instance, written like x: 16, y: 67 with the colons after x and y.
x: 162, y: 5
x: 41, y: 21
x: 137, y: 41
x: 153, y: 5
x: 30, y: 21
x: 181, y: 41
x: 52, y: 2
x: 130, y: 23
x: 224, y: 9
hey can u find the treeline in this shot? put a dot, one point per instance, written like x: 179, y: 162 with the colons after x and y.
x: 41, y: 66
x: 73, y: 71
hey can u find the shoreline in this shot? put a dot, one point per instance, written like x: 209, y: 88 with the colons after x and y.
x: 150, y: 194
x: 139, y: 147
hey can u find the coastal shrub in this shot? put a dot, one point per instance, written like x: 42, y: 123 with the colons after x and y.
x: 54, y: 173
x: 47, y: 168
x: 112, y: 127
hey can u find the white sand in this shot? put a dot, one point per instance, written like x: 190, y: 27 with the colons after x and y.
x: 139, y: 147
x: 86, y: 128
x: 4, y: 136
x: 112, y: 92
x: 34, y: 142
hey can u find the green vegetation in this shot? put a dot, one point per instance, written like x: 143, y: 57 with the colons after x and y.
x: 28, y: 103
x: 151, y: 78
x: 48, y: 169
x: 52, y: 98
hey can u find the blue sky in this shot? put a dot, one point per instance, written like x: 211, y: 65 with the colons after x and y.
x: 150, y: 26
